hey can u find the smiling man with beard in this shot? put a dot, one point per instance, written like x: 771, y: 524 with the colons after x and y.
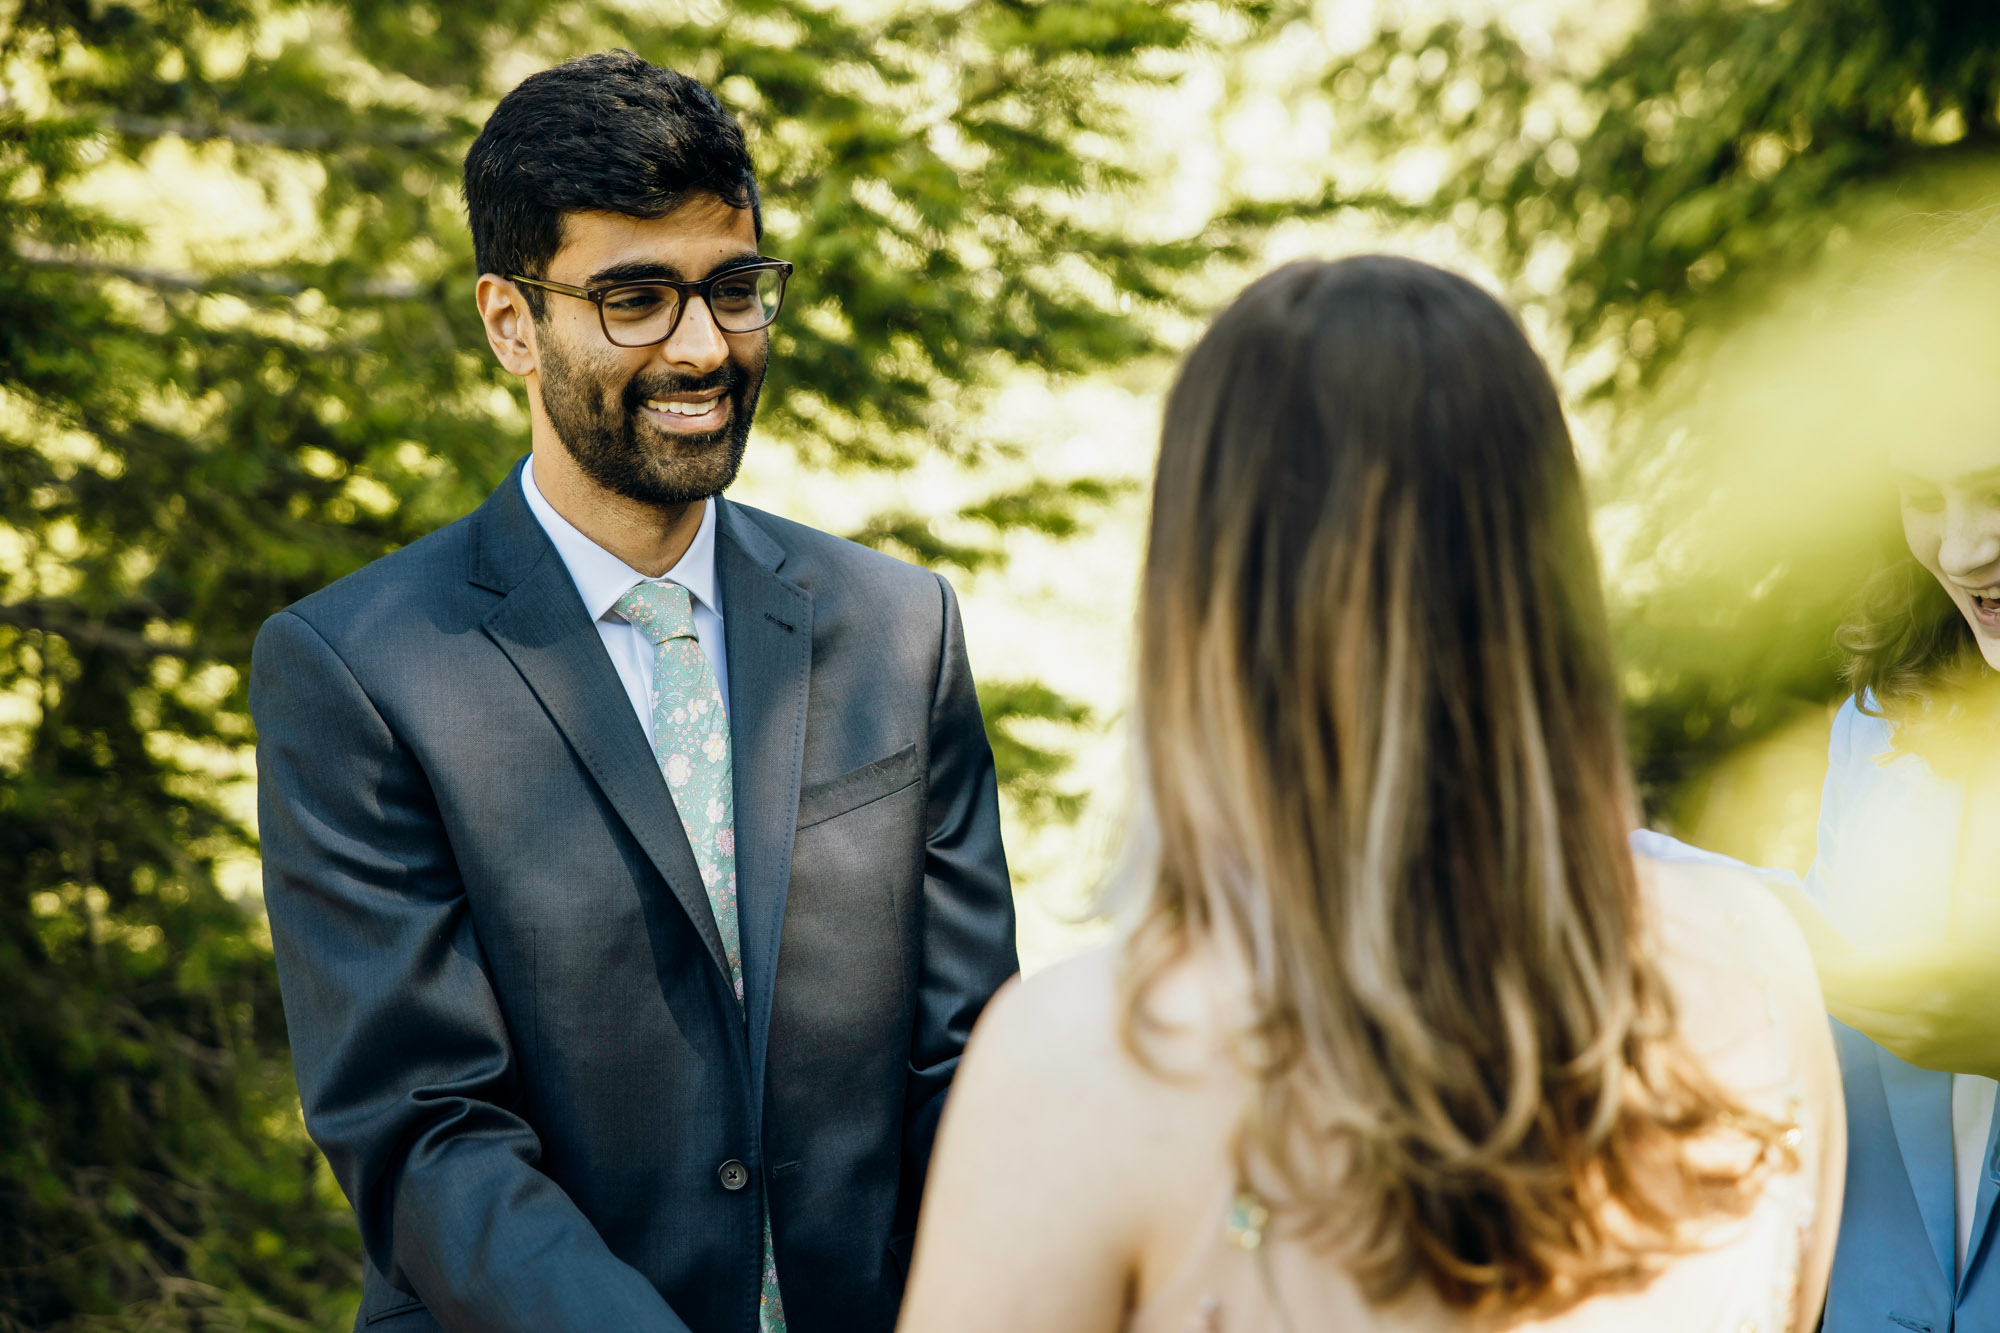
x: 632, y: 856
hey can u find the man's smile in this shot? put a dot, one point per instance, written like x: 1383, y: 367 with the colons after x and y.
x: 687, y: 414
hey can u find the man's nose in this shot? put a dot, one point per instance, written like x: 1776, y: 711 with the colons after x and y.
x: 1970, y: 551
x: 697, y: 347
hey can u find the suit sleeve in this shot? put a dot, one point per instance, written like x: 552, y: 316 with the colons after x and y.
x: 405, y: 1068
x: 968, y: 904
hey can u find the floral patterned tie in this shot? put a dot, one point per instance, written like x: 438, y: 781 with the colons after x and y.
x: 691, y: 743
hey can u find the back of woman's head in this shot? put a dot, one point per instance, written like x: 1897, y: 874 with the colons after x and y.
x: 1386, y: 775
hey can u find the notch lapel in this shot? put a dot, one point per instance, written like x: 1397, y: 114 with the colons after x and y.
x: 767, y: 626
x: 1920, y: 1111
x: 540, y: 623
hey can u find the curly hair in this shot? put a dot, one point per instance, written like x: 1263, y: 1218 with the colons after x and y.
x: 1905, y: 640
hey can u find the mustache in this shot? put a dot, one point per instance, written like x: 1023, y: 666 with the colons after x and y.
x: 728, y: 377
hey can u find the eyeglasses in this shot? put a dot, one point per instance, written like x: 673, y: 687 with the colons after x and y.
x: 640, y: 314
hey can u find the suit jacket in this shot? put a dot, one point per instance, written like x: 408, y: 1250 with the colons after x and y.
x: 514, y: 1032
x: 1894, y: 1265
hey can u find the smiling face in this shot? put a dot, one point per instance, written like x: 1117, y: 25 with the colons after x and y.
x: 666, y: 424
x: 1951, y: 519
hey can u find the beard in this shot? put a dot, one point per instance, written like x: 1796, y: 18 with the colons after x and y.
x: 605, y: 429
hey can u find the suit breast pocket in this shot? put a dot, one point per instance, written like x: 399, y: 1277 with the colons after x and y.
x: 840, y: 1022
x: 821, y: 801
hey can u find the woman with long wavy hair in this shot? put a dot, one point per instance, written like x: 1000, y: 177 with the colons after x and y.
x: 1398, y: 1033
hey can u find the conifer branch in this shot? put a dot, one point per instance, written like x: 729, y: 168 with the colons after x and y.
x: 276, y: 136
x: 264, y: 284
x: 85, y: 633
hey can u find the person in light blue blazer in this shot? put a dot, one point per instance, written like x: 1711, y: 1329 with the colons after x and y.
x: 1902, y: 906
x: 1922, y: 1170
x: 1902, y: 901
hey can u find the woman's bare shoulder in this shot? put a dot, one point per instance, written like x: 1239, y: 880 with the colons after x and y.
x: 1064, y: 1031
x: 1731, y: 950
x: 1080, y: 985
x: 1717, y: 910
x: 1049, y: 1028
x: 1058, y: 1145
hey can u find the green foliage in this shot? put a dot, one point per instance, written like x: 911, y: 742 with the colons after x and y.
x: 196, y: 430
x: 1661, y: 188
x: 1711, y: 150
x: 1019, y: 714
x: 1052, y: 508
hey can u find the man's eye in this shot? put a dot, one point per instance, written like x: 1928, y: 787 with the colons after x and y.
x: 634, y: 301
x: 1925, y: 501
x: 739, y: 292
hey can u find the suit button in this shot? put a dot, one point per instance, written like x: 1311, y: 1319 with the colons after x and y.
x: 733, y: 1175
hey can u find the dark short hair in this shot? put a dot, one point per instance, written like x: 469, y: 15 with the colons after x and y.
x: 605, y: 133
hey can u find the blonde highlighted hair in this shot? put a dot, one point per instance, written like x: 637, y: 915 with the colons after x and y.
x: 1385, y: 775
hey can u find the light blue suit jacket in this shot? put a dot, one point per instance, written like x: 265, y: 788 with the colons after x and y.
x: 1888, y: 849
x: 1893, y: 1267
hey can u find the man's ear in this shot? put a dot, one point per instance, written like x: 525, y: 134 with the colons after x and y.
x: 509, y: 323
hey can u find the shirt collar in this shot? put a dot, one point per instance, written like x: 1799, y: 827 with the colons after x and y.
x: 601, y: 578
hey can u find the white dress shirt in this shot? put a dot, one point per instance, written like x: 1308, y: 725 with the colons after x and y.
x: 601, y: 578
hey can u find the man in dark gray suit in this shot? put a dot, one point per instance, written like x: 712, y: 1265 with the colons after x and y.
x: 633, y: 857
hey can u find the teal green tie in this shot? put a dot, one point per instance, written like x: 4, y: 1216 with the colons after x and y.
x: 691, y: 743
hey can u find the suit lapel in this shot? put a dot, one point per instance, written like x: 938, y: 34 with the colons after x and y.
x: 1989, y: 1185
x: 540, y: 623
x: 1920, y: 1110
x: 767, y: 626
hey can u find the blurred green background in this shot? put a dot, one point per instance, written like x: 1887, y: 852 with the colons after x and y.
x: 238, y: 358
